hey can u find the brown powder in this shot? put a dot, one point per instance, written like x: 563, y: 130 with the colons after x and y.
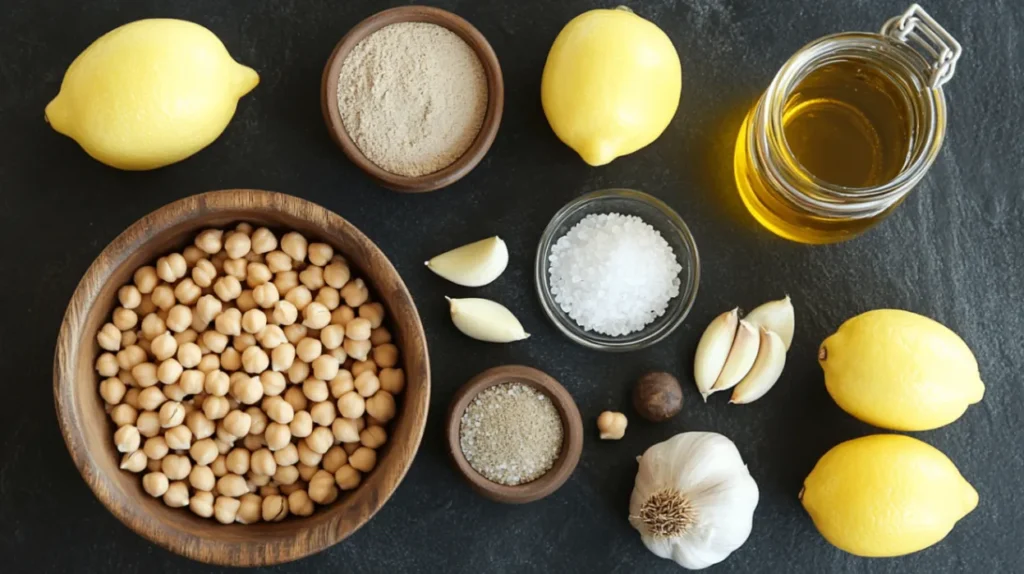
x: 412, y: 97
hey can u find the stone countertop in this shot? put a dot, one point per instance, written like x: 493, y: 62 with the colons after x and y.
x: 953, y: 251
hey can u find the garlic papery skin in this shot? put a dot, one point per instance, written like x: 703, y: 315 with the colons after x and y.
x: 472, y: 265
x: 776, y: 316
x: 693, y: 501
x: 486, y: 320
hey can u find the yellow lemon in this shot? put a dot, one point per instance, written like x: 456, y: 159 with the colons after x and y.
x: 149, y: 93
x: 898, y: 370
x: 886, y: 495
x: 611, y: 84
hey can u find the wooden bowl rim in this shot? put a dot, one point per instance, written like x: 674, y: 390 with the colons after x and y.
x: 572, y: 428
x: 297, y: 542
x: 492, y: 119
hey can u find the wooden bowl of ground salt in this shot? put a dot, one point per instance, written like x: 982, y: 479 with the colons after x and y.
x: 514, y: 433
x: 413, y: 96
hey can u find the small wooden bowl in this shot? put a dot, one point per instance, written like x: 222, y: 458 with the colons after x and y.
x: 488, y: 130
x: 572, y: 434
x: 88, y: 432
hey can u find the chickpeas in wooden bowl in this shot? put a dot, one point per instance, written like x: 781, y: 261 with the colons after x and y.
x: 242, y: 378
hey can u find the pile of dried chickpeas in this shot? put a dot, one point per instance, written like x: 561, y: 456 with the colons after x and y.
x: 249, y: 376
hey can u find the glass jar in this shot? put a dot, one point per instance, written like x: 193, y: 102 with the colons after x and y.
x: 850, y: 124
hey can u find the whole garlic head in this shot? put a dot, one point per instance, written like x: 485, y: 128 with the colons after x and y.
x: 694, y: 499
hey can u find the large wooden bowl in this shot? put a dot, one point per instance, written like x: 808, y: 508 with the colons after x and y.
x: 88, y: 431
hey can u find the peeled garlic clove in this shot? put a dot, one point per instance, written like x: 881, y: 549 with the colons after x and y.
x: 741, y: 357
x: 472, y: 265
x: 713, y: 350
x: 771, y: 359
x: 775, y: 316
x: 485, y: 320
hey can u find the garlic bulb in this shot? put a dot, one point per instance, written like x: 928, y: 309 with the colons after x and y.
x: 694, y: 499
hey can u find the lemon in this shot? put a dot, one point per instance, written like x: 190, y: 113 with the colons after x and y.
x: 898, y: 370
x: 149, y: 93
x: 611, y: 84
x: 886, y: 495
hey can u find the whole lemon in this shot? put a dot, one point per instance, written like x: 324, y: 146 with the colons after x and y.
x: 611, y: 84
x: 149, y: 93
x: 886, y: 495
x: 899, y: 370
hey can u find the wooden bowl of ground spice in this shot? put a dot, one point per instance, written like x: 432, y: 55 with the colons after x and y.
x: 413, y: 96
x: 514, y: 433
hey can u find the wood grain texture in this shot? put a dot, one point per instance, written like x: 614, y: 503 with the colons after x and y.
x: 87, y: 430
x: 492, y: 119
x: 572, y: 433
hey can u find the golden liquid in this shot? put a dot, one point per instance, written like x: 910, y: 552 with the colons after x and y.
x: 845, y: 124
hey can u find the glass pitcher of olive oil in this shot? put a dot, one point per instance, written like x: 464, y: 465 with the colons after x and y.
x: 847, y: 128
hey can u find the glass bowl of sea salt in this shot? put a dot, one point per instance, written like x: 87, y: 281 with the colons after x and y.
x: 617, y: 270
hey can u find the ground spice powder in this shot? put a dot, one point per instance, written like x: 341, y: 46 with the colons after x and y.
x: 511, y: 433
x: 412, y: 97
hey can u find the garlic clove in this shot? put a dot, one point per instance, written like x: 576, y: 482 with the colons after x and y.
x: 472, y: 265
x: 771, y: 359
x: 485, y: 320
x: 741, y: 357
x: 713, y: 350
x: 775, y: 316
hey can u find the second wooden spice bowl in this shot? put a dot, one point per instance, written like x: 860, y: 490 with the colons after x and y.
x: 495, y: 97
x: 572, y: 434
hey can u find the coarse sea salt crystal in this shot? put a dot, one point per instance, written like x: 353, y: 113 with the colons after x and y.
x: 613, y: 274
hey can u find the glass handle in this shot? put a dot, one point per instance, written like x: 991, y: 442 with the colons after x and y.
x: 919, y: 30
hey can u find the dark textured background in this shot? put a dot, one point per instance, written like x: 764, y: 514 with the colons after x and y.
x: 953, y: 251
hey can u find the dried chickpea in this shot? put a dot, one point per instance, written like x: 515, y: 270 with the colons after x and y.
x: 145, y: 279
x: 339, y: 354
x: 299, y: 296
x: 208, y: 307
x: 127, y: 439
x: 237, y: 423
x: 336, y: 275
x: 380, y: 336
x: 163, y: 346
x: 345, y: 430
x: 273, y: 382
x: 298, y: 372
x: 244, y: 227
x: 314, y: 315
x: 284, y: 313
x: 323, y: 413
x: 187, y: 292
x: 320, y: 253
x: 255, y: 361
x: 277, y: 436
x: 171, y: 414
x: 360, y: 367
x: 253, y: 442
x: 322, y: 489
x: 124, y: 414
x: 146, y: 306
x: 357, y: 350
x: 271, y: 337
x: 355, y: 293
x: 224, y: 444
x: 295, y: 245
x: 124, y: 320
x: 286, y: 475
x: 214, y: 341
x: 325, y: 368
x: 155, y: 484
x: 210, y: 241
x: 257, y: 274
x: 131, y: 398
x: 171, y: 267
x: 225, y: 509
x: 163, y: 297
x: 319, y: 440
x: 169, y: 371
x: 269, y: 490
x: 312, y: 277
x: 129, y: 296
x: 231, y: 360
x: 263, y: 240
x: 351, y: 405
x: 219, y: 466
x: 287, y: 456
x: 341, y: 383
x: 215, y: 408
x: 176, y: 495
x: 332, y: 336
x: 308, y: 349
x: 134, y: 461
x: 227, y: 288
x: 274, y: 508
x: 358, y: 329
x: 217, y: 383
x: 112, y: 390
x: 386, y: 355
x: 156, y: 448
x: 175, y: 466
x: 381, y: 406
x: 237, y: 462
x: 201, y: 478
x: 250, y: 509
x: 201, y: 504
x: 279, y: 261
x: 347, y: 477
x: 152, y: 325
x: 179, y: 318
x: 232, y: 484
x: 328, y: 297
x: 246, y: 301
x: 262, y: 462
x: 367, y: 384
x: 278, y: 410
x: 237, y: 245
x: 204, y: 273
x: 363, y: 459
x: 129, y: 338
x: 106, y: 364
x: 295, y: 332
x: 248, y: 390
x: 142, y: 342
x: 151, y: 398
x: 229, y: 322
x: 174, y: 392
x: 192, y: 254
x: 209, y: 363
x: 315, y: 390
x: 342, y: 315
x: 373, y: 437
x: 266, y: 295
x: 235, y: 268
x: 153, y: 466
x: 203, y: 452
x: 148, y: 424
x: 301, y: 425
x: 299, y: 503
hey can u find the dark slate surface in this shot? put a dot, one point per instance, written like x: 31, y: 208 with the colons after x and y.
x: 953, y: 251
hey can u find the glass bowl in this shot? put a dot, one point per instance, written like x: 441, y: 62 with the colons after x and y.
x: 659, y: 216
